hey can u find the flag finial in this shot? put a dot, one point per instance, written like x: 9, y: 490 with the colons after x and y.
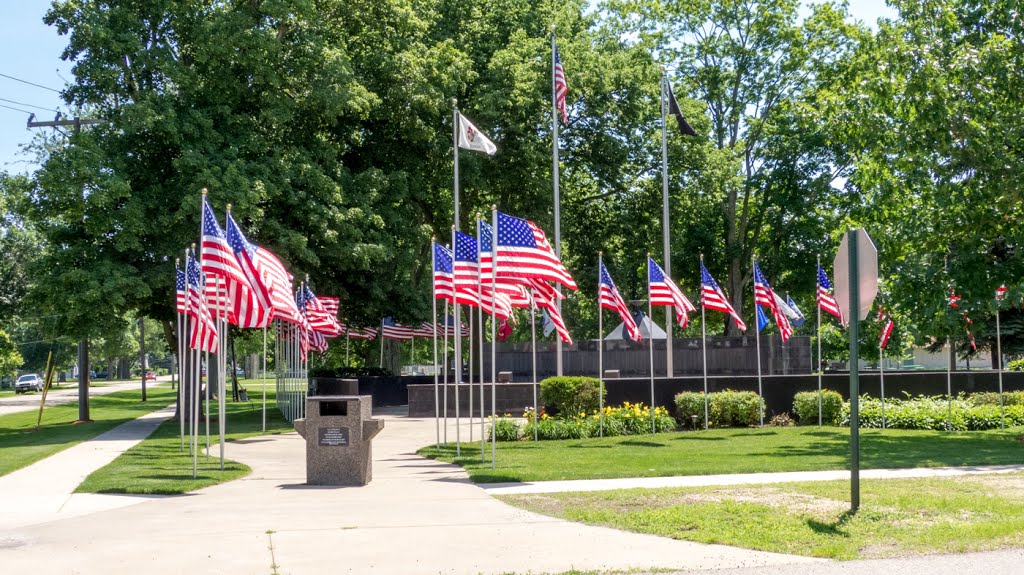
x: 455, y: 102
x: 205, y: 191
x: 177, y: 262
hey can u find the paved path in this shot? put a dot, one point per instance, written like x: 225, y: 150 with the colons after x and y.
x: 30, y: 401
x: 417, y: 516
x: 735, y: 479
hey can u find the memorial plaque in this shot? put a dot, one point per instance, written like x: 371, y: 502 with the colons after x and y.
x: 333, y: 436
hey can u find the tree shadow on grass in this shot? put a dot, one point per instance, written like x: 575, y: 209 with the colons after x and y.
x: 582, y: 446
x: 698, y: 438
x: 833, y: 529
x: 638, y: 443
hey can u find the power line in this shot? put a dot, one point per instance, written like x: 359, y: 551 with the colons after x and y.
x: 16, y: 109
x: 29, y: 105
x: 30, y: 83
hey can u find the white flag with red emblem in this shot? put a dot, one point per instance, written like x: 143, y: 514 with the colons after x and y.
x: 473, y: 139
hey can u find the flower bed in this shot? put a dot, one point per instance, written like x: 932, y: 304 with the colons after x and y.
x: 628, y: 419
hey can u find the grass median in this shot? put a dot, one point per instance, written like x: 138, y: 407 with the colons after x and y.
x: 159, y: 465
x: 21, y: 444
x: 718, y: 451
x: 898, y: 517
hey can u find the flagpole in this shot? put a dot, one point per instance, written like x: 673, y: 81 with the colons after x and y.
x: 458, y: 334
x: 264, y: 415
x: 494, y: 338
x: 817, y: 297
x: 650, y: 339
x: 469, y: 313
x: 704, y: 350
x: 197, y: 356
x: 665, y: 229
x: 949, y: 385
x: 433, y: 288
x: 533, y: 347
x: 382, y: 343
x: 600, y: 349
x: 480, y: 325
x: 999, y: 366
x: 881, y: 377
x: 757, y: 343
x: 444, y: 355
x: 554, y: 173
x: 180, y: 359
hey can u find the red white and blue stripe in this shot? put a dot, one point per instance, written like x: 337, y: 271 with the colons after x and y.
x: 826, y: 302
x: 561, y: 87
x: 279, y: 282
x: 610, y: 298
x: 203, y: 331
x: 179, y: 289
x: 663, y: 292
x: 250, y: 301
x: 523, y: 251
x: 391, y: 329
x: 764, y: 295
x: 712, y: 297
x: 444, y: 276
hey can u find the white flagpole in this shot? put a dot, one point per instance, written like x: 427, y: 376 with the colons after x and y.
x: 704, y: 350
x: 494, y: 338
x: 949, y: 385
x: 533, y: 347
x: 480, y: 325
x: 600, y: 351
x: 222, y: 356
x: 180, y: 359
x: 264, y: 414
x: 197, y: 372
x: 881, y: 376
x: 348, y: 327
x: 554, y: 174
x: 382, y: 342
x: 817, y: 299
x: 757, y: 343
x: 457, y: 352
x: 437, y: 398
x: 650, y: 339
x: 445, y: 372
x: 667, y: 257
x: 469, y: 318
x: 999, y: 365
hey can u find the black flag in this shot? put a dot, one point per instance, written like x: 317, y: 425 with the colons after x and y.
x: 673, y: 108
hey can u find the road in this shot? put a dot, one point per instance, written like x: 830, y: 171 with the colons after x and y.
x: 66, y: 394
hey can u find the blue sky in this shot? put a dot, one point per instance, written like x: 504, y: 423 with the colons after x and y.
x: 31, y: 51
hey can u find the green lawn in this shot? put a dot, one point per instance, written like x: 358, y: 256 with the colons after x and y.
x: 21, y: 444
x: 158, y: 465
x: 732, y: 451
x: 897, y: 516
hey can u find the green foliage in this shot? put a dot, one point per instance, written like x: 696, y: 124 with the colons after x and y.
x: 1015, y: 365
x: 571, y: 395
x: 781, y: 420
x: 992, y: 398
x: 933, y: 412
x: 735, y: 408
x: 725, y: 409
x: 507, y: 429
x: 628, y: 419
x: 10, y: 359
x: 805, y: 406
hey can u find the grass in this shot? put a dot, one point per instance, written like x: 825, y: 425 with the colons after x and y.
x: 732, y: 451
x: 21, y: 444
x: 158, y: 464
x: 897, y: 517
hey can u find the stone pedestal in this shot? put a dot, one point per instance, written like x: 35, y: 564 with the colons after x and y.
x: 338, y: 430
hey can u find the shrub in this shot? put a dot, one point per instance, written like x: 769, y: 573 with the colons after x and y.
x: 992, y: 398
x: 735, y: 408
x: 570, y: 396
x: 1015, y: 365
x: 688, y: 404
x: 781, y: 420
x: 805, y: 405
x: 924, y: 412
x: 507, y: 429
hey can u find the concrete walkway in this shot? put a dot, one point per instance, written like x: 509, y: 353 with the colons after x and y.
x: 44, y: 491
x: 735, y: 479
x: 63, y: 395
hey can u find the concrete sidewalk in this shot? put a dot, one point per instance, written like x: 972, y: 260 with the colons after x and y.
x: 734, y: 479
x: 417, y: 516
x: 44, y: 491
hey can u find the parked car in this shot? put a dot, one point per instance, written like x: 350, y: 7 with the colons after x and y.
x: 28, y: 382
x: 239, y: 372
x: 150, y: 375
x: 101, y: 375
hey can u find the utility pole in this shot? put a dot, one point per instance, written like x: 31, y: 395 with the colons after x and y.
x: 142, y: 354
x: 83, y: 344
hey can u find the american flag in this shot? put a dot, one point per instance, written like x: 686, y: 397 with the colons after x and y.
x: 520, y: 296
x: 179, y: 289
x: 317, y: 341
x: 367, y: 333
x: 484, y: 234
x: 764, y: 295
x: 320, y: 320
x: 466, y: 269
x: 331, y: 306
x: 495, y: 303
x: 203, y: 332
x: 954, y: 298
x: 548, y: 304
x: 561, y: 88
x: 393, y: 330
x: 279, y: 282
x: 216, y: 294
x: 886, y: 328
x: 1001, y: 292
x: 712, y: 297
x: 663, y: 291
x: 826, y: 302
x: 970, y: 335
x: 609, y: 297
x: 251, y: 301
x: 444, y: 277
x: 443, y: 329
x: 523, y: 251
x: 218, y: 259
